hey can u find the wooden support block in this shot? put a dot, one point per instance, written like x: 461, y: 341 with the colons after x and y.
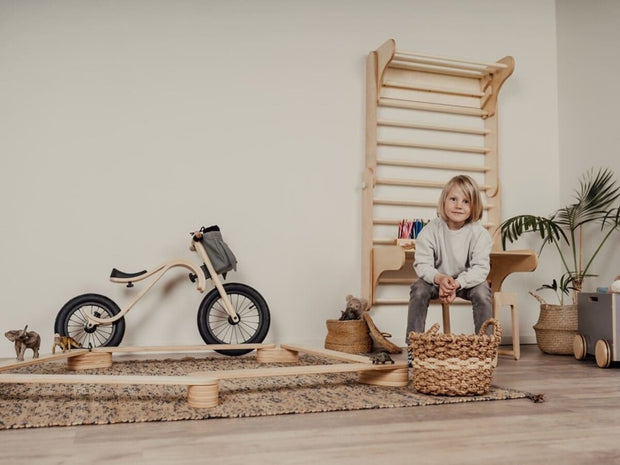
x: 90, y: 360
x: 278, y: 355
x: 203, y: 396
x: 396, y: 377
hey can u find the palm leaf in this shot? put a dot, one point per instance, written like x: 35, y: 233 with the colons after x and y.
x: 513, y: 228
x: 612, y: 217
x: 596, y: 193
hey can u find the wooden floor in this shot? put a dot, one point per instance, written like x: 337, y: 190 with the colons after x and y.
x: 579, y: 423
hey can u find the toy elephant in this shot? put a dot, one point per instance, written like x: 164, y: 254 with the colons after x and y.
x: 23, y: 340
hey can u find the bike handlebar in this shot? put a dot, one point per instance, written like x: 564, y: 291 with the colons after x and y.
x: 197, y: 235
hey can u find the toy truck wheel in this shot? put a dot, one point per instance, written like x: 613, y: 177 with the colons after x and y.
x: 580, y: 347
x: 602, y: 353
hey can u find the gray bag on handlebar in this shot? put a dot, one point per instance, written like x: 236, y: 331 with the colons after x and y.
x: 222, y: 258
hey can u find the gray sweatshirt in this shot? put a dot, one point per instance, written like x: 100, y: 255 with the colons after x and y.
x: 462, y: 254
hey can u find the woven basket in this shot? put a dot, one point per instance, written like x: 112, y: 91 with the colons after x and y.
x: 454, y: 365
x: 351, y: 336
x: 556, y: 327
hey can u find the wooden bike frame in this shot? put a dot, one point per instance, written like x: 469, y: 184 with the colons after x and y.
x: 159, y: 271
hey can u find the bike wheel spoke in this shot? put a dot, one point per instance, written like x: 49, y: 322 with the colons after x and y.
x: 217, y: 326
x: 77, y: 323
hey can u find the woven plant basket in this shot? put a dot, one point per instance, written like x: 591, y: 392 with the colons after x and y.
x: 556, y: 327
x: 454, y: 365
x: 351, y: 336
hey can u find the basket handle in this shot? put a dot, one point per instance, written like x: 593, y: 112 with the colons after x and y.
x: 433, y: 330
x: 537, y: 297
x: 497, y: 329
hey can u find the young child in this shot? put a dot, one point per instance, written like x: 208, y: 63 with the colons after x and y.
x: 452, y: 256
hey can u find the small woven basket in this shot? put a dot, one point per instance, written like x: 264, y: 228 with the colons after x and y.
x: 556, y: 327
x: 351, y: 336
x: 454, y: 365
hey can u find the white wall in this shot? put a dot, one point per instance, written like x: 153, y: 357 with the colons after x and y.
x: 126, y: 124
x: 588, y: 69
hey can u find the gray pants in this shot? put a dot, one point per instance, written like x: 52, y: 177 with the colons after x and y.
x: 422, y: 293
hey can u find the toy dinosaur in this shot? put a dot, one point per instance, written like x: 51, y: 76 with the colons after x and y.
x: 381, y: 358
x: 65, y: 343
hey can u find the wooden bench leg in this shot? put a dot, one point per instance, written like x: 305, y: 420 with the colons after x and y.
x: 445, y: 314
x: 509, y: 299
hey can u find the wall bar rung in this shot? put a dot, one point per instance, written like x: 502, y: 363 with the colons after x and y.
x: 396, y: 221
x: 409, y: 183
x: 415, y: 56
x: 421, y: 145
x: 435, y: 89
x: 396, y: 281
x: 431, y: 127
x: 412, y: 203
x: 435, y: 166
x: 391, y: 302
x: 383, y: 241
x: 406, y: 302
x: 386, y: 222
x: 416, y: 183
x: 437, y: 69
x: 436, y: 107
x: 404, y: 203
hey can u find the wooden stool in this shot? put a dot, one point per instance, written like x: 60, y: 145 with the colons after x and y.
x: 509, y: 299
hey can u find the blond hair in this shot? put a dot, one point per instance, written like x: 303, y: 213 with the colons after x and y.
x: 470, y: 190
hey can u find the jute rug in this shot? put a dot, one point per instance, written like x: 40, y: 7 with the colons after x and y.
x: 31, y: 405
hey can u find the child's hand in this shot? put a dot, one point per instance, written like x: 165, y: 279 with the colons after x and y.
x: 447, y: 288
x: 447, y: 298
x: 446, y: 284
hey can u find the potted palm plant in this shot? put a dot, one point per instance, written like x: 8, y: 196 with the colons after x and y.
x: 594, y: 202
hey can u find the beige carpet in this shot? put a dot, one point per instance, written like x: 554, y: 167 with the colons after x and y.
x: 30, y: 405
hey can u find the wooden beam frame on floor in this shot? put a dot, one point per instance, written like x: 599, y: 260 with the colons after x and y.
x: 203, y: 387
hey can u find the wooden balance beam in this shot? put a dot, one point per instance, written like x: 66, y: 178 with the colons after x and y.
x: 203, y: 387
x: 202, y: 392
x: 101, y: 357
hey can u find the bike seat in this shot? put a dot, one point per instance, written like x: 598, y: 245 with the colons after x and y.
x: 122, y: 275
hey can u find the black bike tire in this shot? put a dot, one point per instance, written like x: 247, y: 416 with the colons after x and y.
x: 232, y: 289
x: 63, y: 318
